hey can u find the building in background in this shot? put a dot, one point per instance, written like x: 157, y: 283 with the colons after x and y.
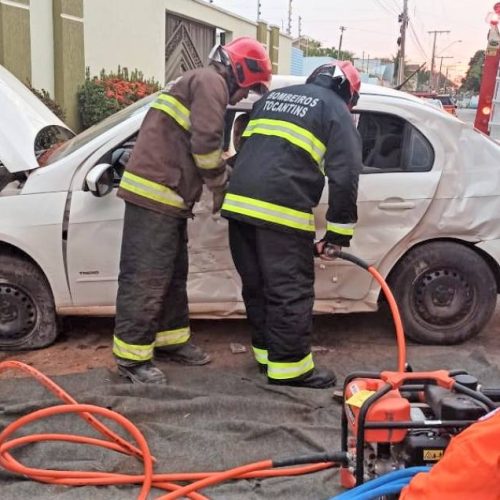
x: 50, y: 43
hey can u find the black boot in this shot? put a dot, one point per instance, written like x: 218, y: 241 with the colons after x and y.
x: 318, y: 378
x: 143, y: 373
x: 262, y: 368
x: 187, y: 354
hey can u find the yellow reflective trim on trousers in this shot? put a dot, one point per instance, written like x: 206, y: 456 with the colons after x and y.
x: 283, y: 371
x: 132, y: 351
x: 173, y: 108
x: 260, y: 355
x: 269, y: 212
x: 209, y: 160
x: 298, y: 136
x: 173, y: 337
x: 343, y: 229
x: 152, y: 190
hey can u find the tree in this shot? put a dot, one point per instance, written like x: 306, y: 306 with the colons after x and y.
x: 472, y: 80
x: 313, y: 48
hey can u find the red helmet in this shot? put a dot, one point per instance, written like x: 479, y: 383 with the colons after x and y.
x: 249, y: 62
x: 345, y: 79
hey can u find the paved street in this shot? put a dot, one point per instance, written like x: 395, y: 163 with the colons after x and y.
x: 466, y: 115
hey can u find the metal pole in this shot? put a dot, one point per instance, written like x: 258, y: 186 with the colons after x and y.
x: 289, y: 29
x: 432, y: 77
x: 342, y: 29
x: 404, y: 24
x: 440, y: 69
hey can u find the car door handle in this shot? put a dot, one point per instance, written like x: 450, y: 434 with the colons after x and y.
x: 396, y: 205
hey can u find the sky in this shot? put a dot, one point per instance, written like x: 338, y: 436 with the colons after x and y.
x: 373, y: 28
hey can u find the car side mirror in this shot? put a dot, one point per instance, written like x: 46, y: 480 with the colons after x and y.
x: 99, y: 181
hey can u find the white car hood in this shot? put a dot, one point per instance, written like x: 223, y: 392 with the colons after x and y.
x: 22, y: 117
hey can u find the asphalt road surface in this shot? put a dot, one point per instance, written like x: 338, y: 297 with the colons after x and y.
x: 467, y: 115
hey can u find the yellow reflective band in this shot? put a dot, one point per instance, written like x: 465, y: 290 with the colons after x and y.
x: 298, y: 136
x: 173, y: 108
x: 260, y: 355
x: 269, y: 212
x: 283, y: 371
x: 173, y: 337
x: 209, y: 160
x: 343, y: 229
x: 132, y: 351
x: 152, y: 190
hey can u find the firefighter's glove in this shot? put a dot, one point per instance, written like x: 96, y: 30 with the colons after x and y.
x: 326, y: 251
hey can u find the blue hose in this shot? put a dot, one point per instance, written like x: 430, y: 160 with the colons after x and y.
x: 394, y: 481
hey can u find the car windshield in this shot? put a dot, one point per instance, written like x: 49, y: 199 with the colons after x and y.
x: 91, y: 133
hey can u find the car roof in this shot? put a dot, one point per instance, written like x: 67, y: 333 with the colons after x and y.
x: 280, y: 81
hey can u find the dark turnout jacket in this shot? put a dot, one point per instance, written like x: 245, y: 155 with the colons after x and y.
x: 179, y: 145
x: 296, y: 136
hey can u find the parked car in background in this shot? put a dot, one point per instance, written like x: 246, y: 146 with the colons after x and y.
x: 429, y: 220
x: 434, y: 102
x: 445, y: 99
x: 448, y: 104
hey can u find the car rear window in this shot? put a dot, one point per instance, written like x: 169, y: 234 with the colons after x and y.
x: 445, y: 100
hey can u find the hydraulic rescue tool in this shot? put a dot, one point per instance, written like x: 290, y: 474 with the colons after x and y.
x: 399, y: 419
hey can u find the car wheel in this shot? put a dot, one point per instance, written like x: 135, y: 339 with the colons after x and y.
x: 445, y: 291
x: 27, y: 312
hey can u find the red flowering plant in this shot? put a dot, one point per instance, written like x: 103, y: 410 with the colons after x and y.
x: 100, y: 97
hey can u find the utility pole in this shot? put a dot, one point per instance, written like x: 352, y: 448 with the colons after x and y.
x: 440, y: 70
x: 403, y: 19
x: 289, y: 29
x: 342, y: 29
x: 300, y: 27
x: 259, y: 13
x: 436, y: 33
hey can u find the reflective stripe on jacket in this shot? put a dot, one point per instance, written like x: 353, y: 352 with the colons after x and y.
x: 179, y: 145
x: 297, y: 135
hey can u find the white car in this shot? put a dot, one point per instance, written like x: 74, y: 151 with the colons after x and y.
x: 429, y: 210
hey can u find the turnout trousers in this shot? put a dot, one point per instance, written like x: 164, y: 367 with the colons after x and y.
x: 152, y: 305
x: 277, y: 274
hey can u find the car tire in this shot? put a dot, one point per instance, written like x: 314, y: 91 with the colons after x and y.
x: 27, y: 312
x: 445, y: 291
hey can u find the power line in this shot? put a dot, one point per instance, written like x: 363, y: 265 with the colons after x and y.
x: 386, y: 8
x: 417, y: 40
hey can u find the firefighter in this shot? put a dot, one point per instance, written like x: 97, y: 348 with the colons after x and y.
x: 296, y: 136
x: 177, y: 151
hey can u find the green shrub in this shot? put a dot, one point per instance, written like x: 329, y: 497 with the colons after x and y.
x: 44, y: 96
x: 100, y: 97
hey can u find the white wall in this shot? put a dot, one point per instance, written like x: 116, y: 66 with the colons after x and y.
x: 285, y: 55
x: 42, y: 45
x: 131, y: 33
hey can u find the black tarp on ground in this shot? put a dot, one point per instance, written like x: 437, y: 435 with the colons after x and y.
x: 213, y: 417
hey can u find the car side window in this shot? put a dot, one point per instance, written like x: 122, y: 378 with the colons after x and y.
x: 391, y: 144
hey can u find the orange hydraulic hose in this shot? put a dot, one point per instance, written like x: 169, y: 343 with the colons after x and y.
x: 117, y: 443
x: 400, y: 336
x: 59, y: 392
